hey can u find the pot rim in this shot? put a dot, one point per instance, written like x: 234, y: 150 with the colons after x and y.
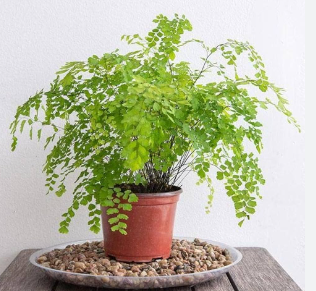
x: 160, y: 194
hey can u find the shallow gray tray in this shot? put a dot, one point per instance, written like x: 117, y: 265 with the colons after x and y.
x: 135, y: 282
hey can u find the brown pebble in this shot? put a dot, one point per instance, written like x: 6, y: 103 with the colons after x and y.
x: 42, y: 259
x: 80, y: 265
x: 221, y: 258
x: 122, y: 271
x: 143, y: 274
x: 105, y: 279
x: 113, y: 268
x: 179, y: 263
x: 129, y: 273
x: 163, y: 262
x: 135, y: 269
x: 151, y: 273
x: 81, y: 256
x: 105, y: 262
x: 117, y: 273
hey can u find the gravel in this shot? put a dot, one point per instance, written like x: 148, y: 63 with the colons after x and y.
x: 186, y: 257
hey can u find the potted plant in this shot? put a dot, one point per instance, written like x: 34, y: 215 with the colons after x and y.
x: 131, y: 126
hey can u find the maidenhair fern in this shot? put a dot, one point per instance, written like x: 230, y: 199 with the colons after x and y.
x: 141, y: 121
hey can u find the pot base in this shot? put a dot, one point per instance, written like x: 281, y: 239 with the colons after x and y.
x: 138, y: 259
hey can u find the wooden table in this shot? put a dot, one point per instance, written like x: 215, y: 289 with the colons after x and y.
x: 258, y: 271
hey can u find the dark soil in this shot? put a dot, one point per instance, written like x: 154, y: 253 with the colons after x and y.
x: 146, y: 188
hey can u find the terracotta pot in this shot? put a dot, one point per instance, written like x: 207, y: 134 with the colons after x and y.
x: 149, y: 229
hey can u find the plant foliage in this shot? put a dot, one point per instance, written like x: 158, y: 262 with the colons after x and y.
x: 139, y: 122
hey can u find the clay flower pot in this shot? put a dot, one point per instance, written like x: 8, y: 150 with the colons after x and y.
x: 149, y: 229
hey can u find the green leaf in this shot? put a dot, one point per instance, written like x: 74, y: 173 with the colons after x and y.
x: 39, y: 133
x: 122, y: 225
x: 239, y: 205
x: 201, y: 174
x: 14, y: 143
x: 61, y: 190
x: 156, y: 106
x: 84, y: 201
x: 94, y: 228
x: 132, y: 198
x: 31, y: 133
x: 71, y: 213
x: 122, y: 216
x: 93, y: 61
x: 107, y: 203
x: 142, y: 151
x: 172, y: 56
x: 127, y: 207
x: 250, y: 210
x: 113, y: 220
x: 76, y: 205
x: 63, y: 229
x: 252, y: 203
x: 115, y: 228
x: 136, y: 163
x: 240, y: 223
x: 22, y: 125
x: 123, y: 231
x: 91, y: 206
x: 67, y: 80
x: 241, y: 214
x: 248, y: 185
x: 220, y: 176
x: 116, y: 200
x: 110, y: 211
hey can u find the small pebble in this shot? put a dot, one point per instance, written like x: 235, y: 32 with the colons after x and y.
x: 105, y: 262
x: 135, y: 269
x: 117, y: 273
x: 42, y: 259
x: 80, y: 265
x: 143, y: 274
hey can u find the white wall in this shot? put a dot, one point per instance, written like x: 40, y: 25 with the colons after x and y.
x: 36, y: 37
